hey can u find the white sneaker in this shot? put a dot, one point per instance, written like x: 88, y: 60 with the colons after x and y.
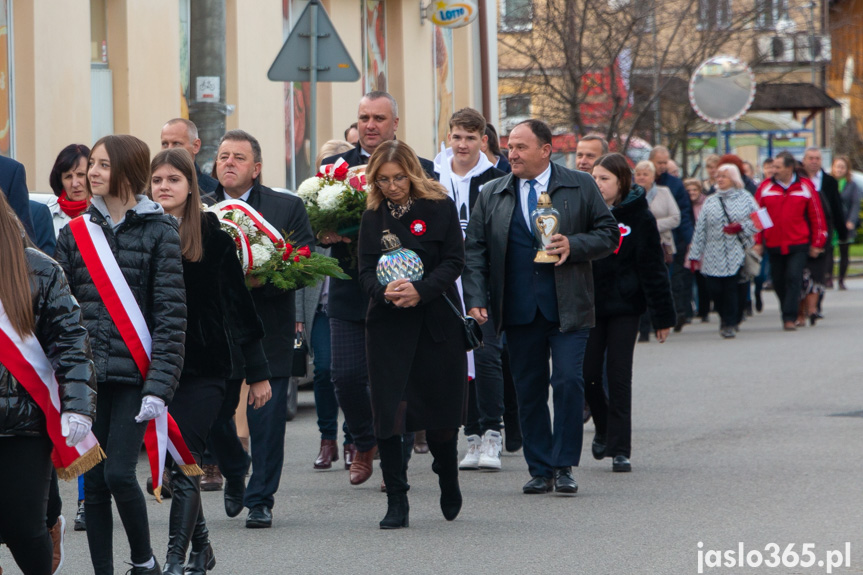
x: 489, y: 452
x: 471, y: 459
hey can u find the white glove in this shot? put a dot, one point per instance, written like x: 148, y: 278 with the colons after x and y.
x: 74, y: 427
x: 151, y: 408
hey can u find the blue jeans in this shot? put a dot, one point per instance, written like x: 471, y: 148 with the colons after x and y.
x: 546, y: 448
x: 267, y: 438
x: 326, y: 404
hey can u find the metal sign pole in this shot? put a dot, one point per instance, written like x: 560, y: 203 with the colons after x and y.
x: 313, y: 80
x: 719, y: 151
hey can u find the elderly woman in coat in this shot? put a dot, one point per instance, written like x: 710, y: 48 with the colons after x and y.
x: 664, y: 208
x: 722, y: 233
x: 415, y: 343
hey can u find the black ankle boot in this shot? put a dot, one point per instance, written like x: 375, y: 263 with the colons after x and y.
x: 172, y: 567
x: 201, y: 561
x: 394, y: 470
x: 445, y: 465
x: 397, y: 511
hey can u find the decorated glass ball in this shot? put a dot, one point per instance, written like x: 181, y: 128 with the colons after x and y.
x: 397, y: 262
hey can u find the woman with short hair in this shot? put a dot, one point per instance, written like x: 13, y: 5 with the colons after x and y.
x: 722, y: 233
x: 68, y: 180
x: 415, y: 342
x: 664, y: 208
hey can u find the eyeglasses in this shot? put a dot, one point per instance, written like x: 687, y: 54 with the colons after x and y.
x: 385, y: 182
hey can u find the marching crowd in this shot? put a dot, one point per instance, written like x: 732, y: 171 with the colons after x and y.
x: 143, y: 330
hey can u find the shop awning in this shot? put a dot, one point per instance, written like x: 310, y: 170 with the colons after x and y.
x: 798, y: 96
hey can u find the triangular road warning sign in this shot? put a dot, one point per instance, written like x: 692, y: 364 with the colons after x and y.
x: 334, y: 62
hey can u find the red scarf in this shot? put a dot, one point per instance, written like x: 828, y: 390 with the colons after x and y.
x: 71, y: 208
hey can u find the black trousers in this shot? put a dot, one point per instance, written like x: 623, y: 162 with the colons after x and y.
x: 26, y: 462
x: 223, y: 443
x: 703, y: 295
x: 485, y: 393
x: 351, y: 379
x: 611, y: 344
x: 786, y: 271
x: 195, y: 406
x: 844, y: 260
x: 121, y: 438
x: 681, y: 284
x: 729, y: 296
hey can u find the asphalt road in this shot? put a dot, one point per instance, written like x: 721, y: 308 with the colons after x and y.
x: 753, y: 440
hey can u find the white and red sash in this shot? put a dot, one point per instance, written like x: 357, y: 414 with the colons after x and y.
x: 26, y: 361
x: 162, y: 433
x: 252, y: 213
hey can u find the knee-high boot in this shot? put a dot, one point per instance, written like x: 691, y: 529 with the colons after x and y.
x: 445, y: 465
x: 185, y: 506
x: 394, y: 470
x: 202, y: 558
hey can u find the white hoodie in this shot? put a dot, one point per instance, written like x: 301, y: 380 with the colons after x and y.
x: 458, y: 187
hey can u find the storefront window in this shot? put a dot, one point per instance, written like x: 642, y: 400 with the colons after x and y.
x: 98, y: 33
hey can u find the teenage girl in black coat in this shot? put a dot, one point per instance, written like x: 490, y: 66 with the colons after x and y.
x: 624, y: 283
x: 220, y: 311
x: 146, y: 245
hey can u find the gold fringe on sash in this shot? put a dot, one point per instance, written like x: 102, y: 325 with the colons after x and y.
x: 191, y: 470
x: 83, y: 464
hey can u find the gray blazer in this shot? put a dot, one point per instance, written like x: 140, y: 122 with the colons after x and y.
x: 584, y: 218
x: 307, y: 302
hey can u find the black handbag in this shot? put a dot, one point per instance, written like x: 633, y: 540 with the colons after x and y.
x: 301, y: 355
x: 472, y: 329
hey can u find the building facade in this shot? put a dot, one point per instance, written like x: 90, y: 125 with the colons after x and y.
x: 75, y: 70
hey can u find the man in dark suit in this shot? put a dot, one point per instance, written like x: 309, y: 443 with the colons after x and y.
x: 13, y: 182
x: 828, y: 189
x: 377, y: 121
x: 43, y: 227
x: 183, y: 133
x: 545, y: 309
x: 238, y: 166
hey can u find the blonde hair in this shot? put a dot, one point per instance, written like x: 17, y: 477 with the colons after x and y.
x: 422, y: 187
x: 332, y: 148
x: 645, y: 165
x: 733, y: 172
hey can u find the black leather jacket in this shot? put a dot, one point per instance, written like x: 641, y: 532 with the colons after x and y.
x: 584, y: 219
x: 147, y: 248
x: 65, y: 342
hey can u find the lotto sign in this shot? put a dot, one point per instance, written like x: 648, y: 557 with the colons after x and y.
x: 452, y: 13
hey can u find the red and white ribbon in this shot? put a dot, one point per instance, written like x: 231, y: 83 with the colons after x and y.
x: 243, y: 246
x: 126, y: 314
x: 25, y: 359
x: 257, y: 219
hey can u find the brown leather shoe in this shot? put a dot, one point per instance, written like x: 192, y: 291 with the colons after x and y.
x: 350, y: 453
x: 212, y: 480
x: 420, y: 444
x: 789, y: 326
x: 361, y: 468
x: 58, y: 532
x: 329, y: 452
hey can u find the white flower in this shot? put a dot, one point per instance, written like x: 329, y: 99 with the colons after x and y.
x: 328, y: 197
x: 260, y: 254
x: 308, y: 190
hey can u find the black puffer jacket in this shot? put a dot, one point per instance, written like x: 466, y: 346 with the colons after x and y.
x: 635, y: 275
x: 64, y: 341
x: 220, y: 304
x: 147, y: 248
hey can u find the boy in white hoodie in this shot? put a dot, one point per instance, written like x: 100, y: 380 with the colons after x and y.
x: 463, y: 170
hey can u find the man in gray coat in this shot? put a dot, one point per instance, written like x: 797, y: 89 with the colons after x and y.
x: 545, y: 309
